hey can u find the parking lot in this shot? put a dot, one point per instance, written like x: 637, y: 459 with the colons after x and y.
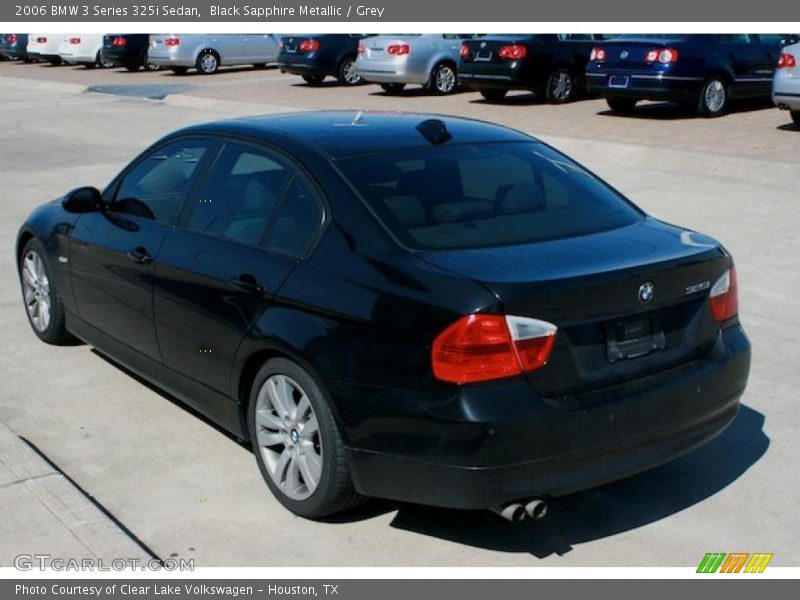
x: 128, y: 471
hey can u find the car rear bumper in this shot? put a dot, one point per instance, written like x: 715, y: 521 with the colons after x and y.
x: 389, y: 72
x: 786, y: 100
x: 489, y: 451
x: 644, y: 86
x: 492, y: 77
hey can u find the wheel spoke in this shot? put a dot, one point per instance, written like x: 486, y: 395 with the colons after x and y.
x: 292, y: 481
x: 303, y: 406
x: 267, y: 438
x: 27, y: 273
x: 267, y: 420
x: 280, y: 394
x: 280, y: 466
x: 310, y: 427
x: 310, y: 467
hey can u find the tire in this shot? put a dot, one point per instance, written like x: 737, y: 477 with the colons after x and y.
x: 287, y: 445
x: 55, y: 62
x: 561, y: 87
x: 148, y: 66
x: 207, y: 62
x: 347, y: 74
x: 314, y: 79
x: 259, y: 65
x: 132, y: 68
x: 795, y: 114
x: 180, y: 70
x: 493, y: 94
x: 99, y: 62
x: 714, y: 97
x: 621, y: 105
x: 444, y: 79
x: 40, y: 298
x: 393, y: 88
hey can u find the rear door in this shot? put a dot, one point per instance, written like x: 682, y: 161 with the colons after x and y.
x: 743, y: 54
x: 229, y: 46
x: 242, y: 232
x: 769, y: 45
x: 114, y: 253
x: 260, y: 47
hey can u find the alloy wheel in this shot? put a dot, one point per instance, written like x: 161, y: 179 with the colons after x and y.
x: 36, y: 291
x: 208, y: 63
x: 350, y: 73
x: 561, y: 86
x: 445, y: 79
x: 715, y: 96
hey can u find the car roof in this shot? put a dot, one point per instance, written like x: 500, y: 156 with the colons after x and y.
x: 341, y: 134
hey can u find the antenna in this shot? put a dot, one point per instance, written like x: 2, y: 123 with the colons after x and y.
x: 435, y: 131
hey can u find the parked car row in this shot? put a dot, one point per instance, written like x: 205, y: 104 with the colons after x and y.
x: 702, y: 71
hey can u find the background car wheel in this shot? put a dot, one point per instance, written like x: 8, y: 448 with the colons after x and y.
x: 259, y: 65
x: 180, y: 70
x: 561, y: 86
x: 393, y: 88
x: 207, y: 62
x: 148, y: 66
x: 795, y: 116
x: 621, y: 105
x: 296, y: 442
x: 40, y: 296
x: 714, y: 97
x: 347, y: 72
x: 493, y: 95
x: 444, y: 79
x: 314, y: 79
x: 132, y: 68
x: 55, y: 61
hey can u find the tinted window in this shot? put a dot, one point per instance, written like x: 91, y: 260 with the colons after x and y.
x: 156, y: 187
x: 489, y: 195
x: 297, y: 221
x: 240, y: 194
x: 732, y: 38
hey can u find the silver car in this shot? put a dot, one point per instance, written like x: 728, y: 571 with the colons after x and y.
x: 786, y: 82
x: 429, y: 60
x: 208, y: 52
x: 82, y: 49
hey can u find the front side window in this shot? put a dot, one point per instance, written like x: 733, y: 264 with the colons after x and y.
x: 157, y: 186
x: 472, y: 196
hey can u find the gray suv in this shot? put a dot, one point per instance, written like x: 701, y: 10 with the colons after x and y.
x: 208, y: 52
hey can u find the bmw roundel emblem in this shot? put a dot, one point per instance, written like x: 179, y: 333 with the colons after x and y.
x: 624, y: 54
x: 647, y: 291
x: 483, y: 44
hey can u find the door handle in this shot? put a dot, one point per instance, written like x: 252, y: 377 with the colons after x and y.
x: 247, y: 284
x: 140, y: 255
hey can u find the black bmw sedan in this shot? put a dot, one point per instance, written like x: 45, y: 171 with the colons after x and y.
x: 420, y: 308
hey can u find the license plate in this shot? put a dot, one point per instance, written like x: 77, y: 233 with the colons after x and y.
x: 632, y: 338
x: 483, y: 55
x: 618, y: 81
x: 291, y: 49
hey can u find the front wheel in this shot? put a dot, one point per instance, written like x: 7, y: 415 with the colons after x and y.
x: 297, y: 443
x: 621, y: 105
x: 42, y: 302
x: 314, y: 79
x: 444, y: 79
x: 348, y: 74
x: 207, y: 63
x: 714, y: 98
x: 393, y: 88
x: 561, y: 86
x: 795, y: 114
x: 492, y: 94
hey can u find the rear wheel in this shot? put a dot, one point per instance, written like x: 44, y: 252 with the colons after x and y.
x: 40, y: 296
x: 561, y: 86
x: 55, y: 61
x: 207, y: 63
x: 347, y: 72
x: 297, y: 443
x: 132, y: 68
x: 714, y: 97
x: 393, y: 88
x: 444, y: 79
x: 795, y: 114
x: 314, y: 79
x: 492, y: 94
x: 621, y: 105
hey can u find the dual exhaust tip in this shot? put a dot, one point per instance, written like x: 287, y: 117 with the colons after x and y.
x: 516, y: 512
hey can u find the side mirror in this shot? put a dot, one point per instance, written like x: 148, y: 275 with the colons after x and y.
x: 83, y: 200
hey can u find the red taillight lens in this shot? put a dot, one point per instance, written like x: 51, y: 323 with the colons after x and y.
x: 399, y: 49
x: 662, y: 55
x: 118, y: 42
x: 309, y: 46
x: 41, y: 40
x: 361, y: 48
x: 597, y: 54
x: 724, y: 297
x: 512, y: 52
x: 11, y: 39
x: 484, y: 347
x: 786, y: 61
x: 172, y: 41
x: 464, y: 52
x: 74, y: 41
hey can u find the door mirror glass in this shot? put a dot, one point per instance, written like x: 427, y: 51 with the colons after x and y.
x: 83, y: 200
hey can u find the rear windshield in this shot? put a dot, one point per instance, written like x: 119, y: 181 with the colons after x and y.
x: 473, y: 196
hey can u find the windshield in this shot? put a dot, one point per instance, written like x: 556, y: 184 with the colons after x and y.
x: 472, y: 196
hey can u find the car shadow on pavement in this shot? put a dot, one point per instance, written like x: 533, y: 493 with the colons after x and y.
x: 608, y: 510
x: 788, y: 127
x: 670, y: 111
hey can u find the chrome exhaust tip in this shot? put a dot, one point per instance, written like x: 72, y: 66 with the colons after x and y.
x: 536, y: 509
x: 513, y: 512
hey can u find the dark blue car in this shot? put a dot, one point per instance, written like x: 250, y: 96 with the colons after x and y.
x: 14, y: 46
x: 704, y: 71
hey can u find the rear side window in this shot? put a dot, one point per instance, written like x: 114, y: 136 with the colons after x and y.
x: 297, y: 221
x: 472, y: 196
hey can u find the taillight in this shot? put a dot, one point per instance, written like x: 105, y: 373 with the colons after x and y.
x: 41, y: 40
x: 74, y: 41
x: 281, y: 44
x: 399, y: 49
x: 662, y: 55
x: 118, y: 42
x: 512, y: 52
x: 172, y: 41
x: 464, y: 51
x: 12, y: 38
x: 724, y: 297
x: 786, y: 61
x: 309, y: 46
x: 484, y: 347
x: 597, y: 54
x: 361, y: 48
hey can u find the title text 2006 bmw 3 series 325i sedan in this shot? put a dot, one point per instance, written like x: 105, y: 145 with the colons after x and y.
x: 412, y: 307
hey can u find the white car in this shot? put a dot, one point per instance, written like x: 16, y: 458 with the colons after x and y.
x: 786, y: 82
x: 82, y: 49
x: 44, y: 46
